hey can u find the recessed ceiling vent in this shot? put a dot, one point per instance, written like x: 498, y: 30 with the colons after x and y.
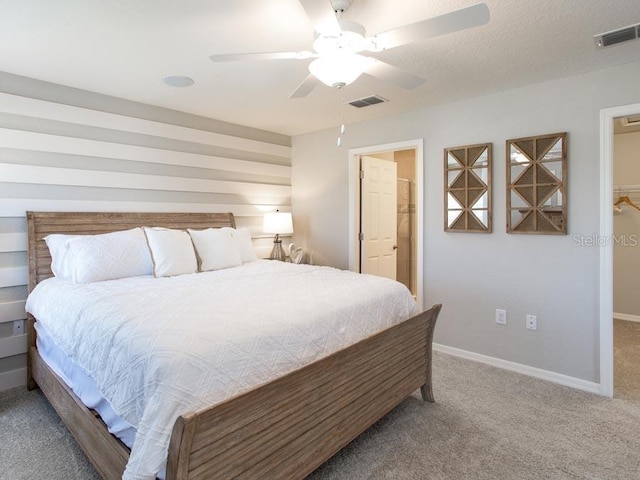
x: 617, y: 36
x: 367, y: 101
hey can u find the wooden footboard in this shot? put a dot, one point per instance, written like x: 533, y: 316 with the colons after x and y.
x: 107, y: 454
x: 289, y: 427
x: 284, y: 429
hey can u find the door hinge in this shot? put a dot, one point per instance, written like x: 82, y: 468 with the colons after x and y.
x: 361, y: 174
x: 361, y: 236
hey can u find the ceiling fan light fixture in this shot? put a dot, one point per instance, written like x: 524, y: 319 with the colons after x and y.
x: 339, y: 69
x: 350, y: 39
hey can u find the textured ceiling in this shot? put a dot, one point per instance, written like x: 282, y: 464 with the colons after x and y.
x: 124, y: 48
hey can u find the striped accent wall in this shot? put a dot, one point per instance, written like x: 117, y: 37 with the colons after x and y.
x: 63, y: 149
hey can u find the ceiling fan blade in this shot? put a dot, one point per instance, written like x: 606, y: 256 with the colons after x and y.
x: 262, y: 56
x: 393, y: 75
x: 305, y: 87
x: 467, y: 17
x: 322, y: 16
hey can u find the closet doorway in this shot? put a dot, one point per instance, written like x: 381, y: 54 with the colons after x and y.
x: 611, y: 191
x: 386, y: 198
x: 626, y: 257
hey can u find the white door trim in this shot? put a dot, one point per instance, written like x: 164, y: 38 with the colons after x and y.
x: 607, y: 115
x: 354, y: 203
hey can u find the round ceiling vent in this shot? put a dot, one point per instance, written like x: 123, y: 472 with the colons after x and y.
x: 178, y: 81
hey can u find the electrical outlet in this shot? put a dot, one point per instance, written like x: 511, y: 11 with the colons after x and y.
x: 501, y: 316
x: 18, y: 327
x: 532, y: 322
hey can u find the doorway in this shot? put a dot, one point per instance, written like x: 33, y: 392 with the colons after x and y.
x: 406, y: 230
x: 608, y: 118
x: 626, y: 257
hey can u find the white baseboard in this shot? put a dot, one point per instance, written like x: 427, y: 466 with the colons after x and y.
x: 627, y: 317
x: 13, y: 378
x: 523, y: 369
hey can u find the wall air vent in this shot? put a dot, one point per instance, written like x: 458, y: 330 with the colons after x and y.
x: 617, y: 36
x: 366, y: 101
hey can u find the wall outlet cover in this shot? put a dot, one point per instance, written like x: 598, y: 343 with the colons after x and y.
x: 532, y: 322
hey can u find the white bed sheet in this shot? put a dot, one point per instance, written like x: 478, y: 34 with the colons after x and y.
x: 82, y: 385
x: 158, y: 348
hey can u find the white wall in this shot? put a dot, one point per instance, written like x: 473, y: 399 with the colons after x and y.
x: 70, y: 150
x: 553, y: 277
x: 626, y: 227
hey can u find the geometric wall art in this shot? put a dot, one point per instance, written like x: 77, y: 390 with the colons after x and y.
x: 537, y: 184
x: 467, y: 192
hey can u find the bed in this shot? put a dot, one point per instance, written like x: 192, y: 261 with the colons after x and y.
x: 284, y: 428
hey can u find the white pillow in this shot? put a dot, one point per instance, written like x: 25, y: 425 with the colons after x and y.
x: 242, y: 238
x: 216, y: 249
x: 94, y: 258
x: 172, y: 252
x: 60, y: 259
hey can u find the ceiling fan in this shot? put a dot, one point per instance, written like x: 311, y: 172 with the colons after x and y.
x: 339, y: 44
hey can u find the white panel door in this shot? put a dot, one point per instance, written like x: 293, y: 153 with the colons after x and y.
x: 378, y: 217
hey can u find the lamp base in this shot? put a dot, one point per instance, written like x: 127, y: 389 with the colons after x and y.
x: 277, y: 253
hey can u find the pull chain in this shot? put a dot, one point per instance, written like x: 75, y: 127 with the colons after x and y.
x: 342, y: 127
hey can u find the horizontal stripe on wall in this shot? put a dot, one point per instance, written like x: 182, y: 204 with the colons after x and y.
x: 70, y: 176
x: 10, y: 346
x: 42, y: 142
x: 13, y: 277
x: 54, y: 111
x: 11, y: 311
x: 79, y: 194
x: 18, y: 207
x: 59, y: 160
x: 13, y: 242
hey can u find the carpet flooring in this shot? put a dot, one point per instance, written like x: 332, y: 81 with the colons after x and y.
x: 626, y: 360
x: 486, y: 423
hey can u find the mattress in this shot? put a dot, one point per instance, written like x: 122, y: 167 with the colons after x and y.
x: 158, y: 348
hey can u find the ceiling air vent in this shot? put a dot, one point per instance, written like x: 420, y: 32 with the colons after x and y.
x: 617, y: 36
x: 366, y: 101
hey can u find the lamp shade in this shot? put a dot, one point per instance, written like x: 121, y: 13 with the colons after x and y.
x: 278, y: 223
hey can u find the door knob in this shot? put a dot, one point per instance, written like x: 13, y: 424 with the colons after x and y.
x: 395, y: 247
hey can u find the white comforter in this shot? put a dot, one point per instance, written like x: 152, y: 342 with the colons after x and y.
x: 161, y: 347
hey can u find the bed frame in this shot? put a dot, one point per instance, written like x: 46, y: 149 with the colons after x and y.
x: 284, y: 429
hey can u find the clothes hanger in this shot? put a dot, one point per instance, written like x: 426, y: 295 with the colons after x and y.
x: 627, y: 200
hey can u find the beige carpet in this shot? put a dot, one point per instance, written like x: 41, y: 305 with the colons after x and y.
x: 626, y: 360
x: 487, y: 424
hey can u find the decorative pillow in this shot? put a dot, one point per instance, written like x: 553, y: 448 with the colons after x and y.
x: 94, y: 258
x: 171, y: 251
x: 242, y: 238
x: 216, y: 249
x: 60, y: 259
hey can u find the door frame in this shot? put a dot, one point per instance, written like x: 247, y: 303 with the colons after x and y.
x: 607, y: 117
x: 354, y: 204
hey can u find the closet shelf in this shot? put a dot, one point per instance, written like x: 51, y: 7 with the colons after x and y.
x: 626, y: 188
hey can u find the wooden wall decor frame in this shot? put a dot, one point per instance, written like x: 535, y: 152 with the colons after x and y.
x: 467, y: 188
x: 537, y: 184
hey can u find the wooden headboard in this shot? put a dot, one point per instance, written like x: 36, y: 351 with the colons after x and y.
x: 41, y: 224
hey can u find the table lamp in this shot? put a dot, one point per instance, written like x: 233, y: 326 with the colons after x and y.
x: 279, y: 223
